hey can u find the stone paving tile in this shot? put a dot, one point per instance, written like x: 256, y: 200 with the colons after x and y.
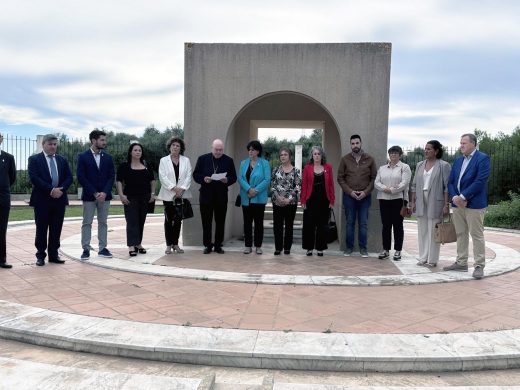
x: 81, y: 288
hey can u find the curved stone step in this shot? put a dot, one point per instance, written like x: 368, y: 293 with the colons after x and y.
x: 23, y: 374
x: 262, y: 349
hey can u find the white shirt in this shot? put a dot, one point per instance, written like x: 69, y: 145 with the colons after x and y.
x: 396, y: 177
x: 427, y: 175
x: 465, y: 163
x: 97, y: 157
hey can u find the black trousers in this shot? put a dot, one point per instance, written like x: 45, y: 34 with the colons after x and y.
x: 391, y: 218
x: 49, y: 220
x: 135, y: 215
x: 217, y: 210
x: 4, y: 219
x: 172, y: 225
x: 283, y: 216
x: 254, y: 213
x: 314, y: 234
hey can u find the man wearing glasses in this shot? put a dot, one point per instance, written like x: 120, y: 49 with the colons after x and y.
x: 7, y: 178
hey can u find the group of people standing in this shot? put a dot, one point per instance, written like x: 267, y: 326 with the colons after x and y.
x: 434, y: 187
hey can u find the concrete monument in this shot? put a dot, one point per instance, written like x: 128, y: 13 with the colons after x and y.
x: 232, y: 90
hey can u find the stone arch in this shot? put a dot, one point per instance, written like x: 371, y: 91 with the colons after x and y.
x: 279, y: 109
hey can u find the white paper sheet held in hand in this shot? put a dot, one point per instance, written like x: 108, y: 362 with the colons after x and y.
x: 218, y: 176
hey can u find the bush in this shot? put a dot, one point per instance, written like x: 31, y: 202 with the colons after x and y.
x: 505, y: 214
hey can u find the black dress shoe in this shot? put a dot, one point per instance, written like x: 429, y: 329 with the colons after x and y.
x: 56, y: 261
x: 141, y: 250
x: 277, y: 253
x: 206, y: 251
x: 40, y: 262
x: 286, y: 252
x: 220, y: 251
x: 5, y: 265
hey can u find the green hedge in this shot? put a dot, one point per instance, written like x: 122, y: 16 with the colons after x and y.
x: 505, y: 214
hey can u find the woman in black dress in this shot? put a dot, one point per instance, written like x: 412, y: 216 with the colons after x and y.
x: 136, y: 188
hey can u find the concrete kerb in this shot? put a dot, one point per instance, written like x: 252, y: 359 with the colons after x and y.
x: 262, y: 349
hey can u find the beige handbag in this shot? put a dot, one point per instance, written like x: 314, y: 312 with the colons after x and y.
x: 444, y: 231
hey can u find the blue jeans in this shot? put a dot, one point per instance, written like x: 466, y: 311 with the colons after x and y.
x: 356, y: 210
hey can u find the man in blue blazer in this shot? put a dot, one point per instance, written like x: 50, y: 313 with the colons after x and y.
x: 467, y: 189
x: 7, y: 178
x: 50, y: 177
x: 96, y: 175
x: 213, y: 196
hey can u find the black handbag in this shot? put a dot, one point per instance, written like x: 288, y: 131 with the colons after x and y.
x: 183, y: 209
x: 150, y: 208
x: 332, y: 228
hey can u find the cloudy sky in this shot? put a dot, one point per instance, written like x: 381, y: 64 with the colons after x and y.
x: 70, y: 66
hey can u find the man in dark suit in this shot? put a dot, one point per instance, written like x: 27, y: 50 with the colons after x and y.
x: 96, y: 175
x: 214, y: 193
x: 7, y: 178
x: 51, y: 177
x: 467, y: 189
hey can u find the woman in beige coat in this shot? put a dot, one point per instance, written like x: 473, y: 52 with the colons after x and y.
x: 430, y: 200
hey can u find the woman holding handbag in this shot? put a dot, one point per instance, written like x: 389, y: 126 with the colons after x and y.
x: 392, y: 183
x: 430, y: 200
x: 317, y: 199
x: 175, y: 177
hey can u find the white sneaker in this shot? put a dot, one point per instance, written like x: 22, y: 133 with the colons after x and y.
x: 383, y: 255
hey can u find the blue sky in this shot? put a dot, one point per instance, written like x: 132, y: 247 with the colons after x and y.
x: 70, y: 66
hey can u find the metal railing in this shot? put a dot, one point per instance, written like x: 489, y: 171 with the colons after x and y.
x: 505, y: 167
x: 505, y: 162
x: 22, y: 148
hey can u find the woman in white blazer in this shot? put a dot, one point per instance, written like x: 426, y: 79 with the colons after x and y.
x: 175, y: 177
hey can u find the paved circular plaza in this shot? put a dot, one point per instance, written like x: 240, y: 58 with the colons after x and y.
x: 290, y: 295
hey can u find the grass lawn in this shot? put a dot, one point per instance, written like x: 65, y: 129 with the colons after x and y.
x: 26, y: 213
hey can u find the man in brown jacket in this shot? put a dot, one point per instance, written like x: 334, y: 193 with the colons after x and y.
x: 356, y: 174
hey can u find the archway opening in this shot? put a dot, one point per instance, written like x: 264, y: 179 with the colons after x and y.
x: 279, y: 110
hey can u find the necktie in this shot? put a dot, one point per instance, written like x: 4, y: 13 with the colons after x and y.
x: 54, y: 172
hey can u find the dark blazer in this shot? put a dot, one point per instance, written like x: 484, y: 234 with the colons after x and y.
x: 94, y: 179
x: 40, y: 178
x: 216, y: 190
x: 473, y: 184
x: 7, y: 177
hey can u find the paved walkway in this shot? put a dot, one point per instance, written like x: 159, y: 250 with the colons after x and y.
x: 424, y: 314
x: 81, y: 288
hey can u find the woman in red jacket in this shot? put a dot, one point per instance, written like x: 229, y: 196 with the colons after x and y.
x: 317, y: 198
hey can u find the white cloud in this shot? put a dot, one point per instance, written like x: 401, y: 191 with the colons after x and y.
x: 448, y: 120
x: 127, y: 57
